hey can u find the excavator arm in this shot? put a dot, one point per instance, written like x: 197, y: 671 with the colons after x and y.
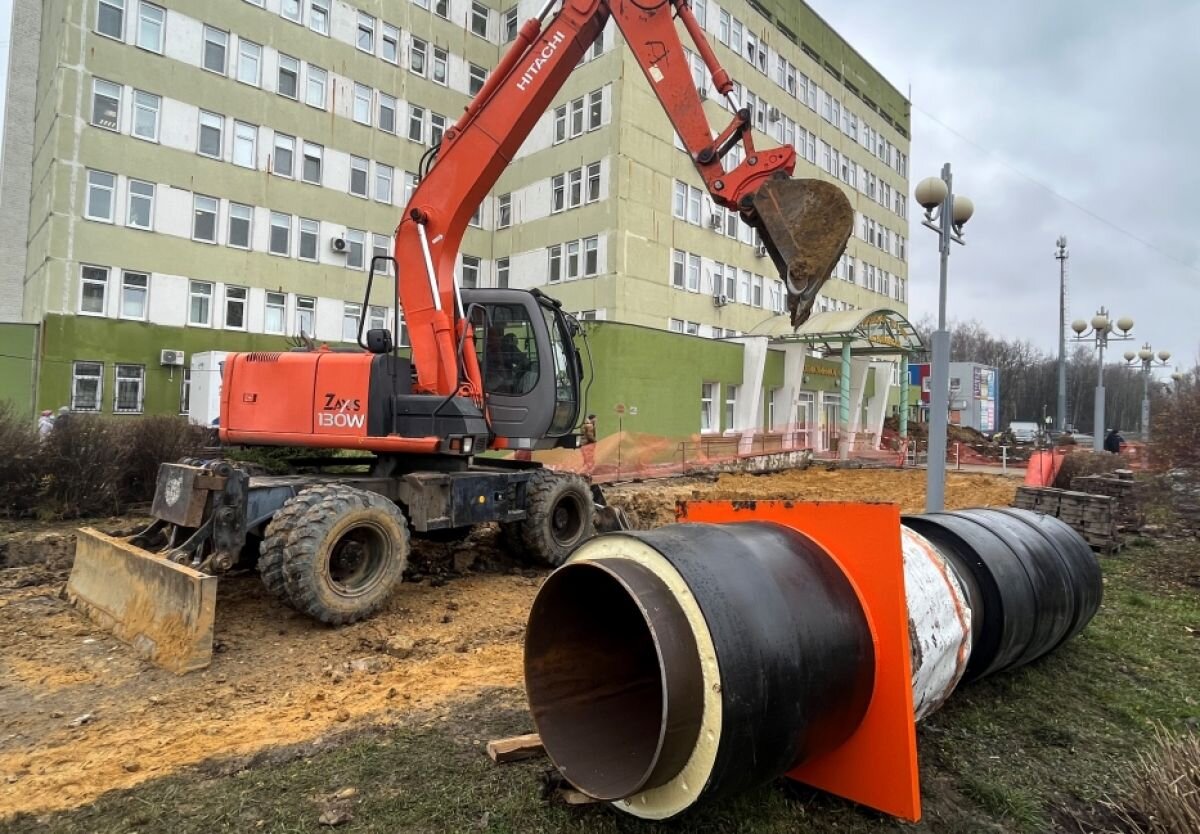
x: 804, y: 224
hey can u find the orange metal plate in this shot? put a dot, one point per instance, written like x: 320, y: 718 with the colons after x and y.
x: 877, y: 765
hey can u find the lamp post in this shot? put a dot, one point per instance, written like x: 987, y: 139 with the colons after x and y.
x: 1062, y: 255
x: 946, y: 215
x: 1101, y: 332
x: 1144, y: 359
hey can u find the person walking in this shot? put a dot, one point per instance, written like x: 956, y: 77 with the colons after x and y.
x: 588, y: 443
x: 45, y: 424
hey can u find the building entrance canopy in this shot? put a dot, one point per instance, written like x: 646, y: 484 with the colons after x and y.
x: 875, y: 332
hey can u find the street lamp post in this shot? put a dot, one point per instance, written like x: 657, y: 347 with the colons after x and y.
x: 1102, y: 332
x: 944, y: 214
x: 1062, y: 255
x: 1144, y: 359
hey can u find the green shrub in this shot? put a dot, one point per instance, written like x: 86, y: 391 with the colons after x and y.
x: 19, y: 464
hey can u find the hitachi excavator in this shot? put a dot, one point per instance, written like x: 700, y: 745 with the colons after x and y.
x: 490, y: 370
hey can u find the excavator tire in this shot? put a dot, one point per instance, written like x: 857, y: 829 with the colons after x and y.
x: 344, y: 552
x: 558, y: 519
x: 270, y: 552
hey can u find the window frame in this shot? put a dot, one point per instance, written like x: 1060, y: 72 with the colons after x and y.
x: 321, y: 9
x: 281, y: 306
x: 193, y: 294
x: 143, y: 6
x: 323, y: 84
x: 85, y: 280
x: 112, y: 4
x: 365, y: 170
x: 76, y: 377
x: 291, y: 151
x: 112, y: 196
x: 220, y: 129
x: 239, y: 141
x: 129, y: 197
x: 196, y: 211
x: 235, y: 209
x: 138, y: 107
x: 309, y: 228
x: 318, y: 154
x: 272, y: 226
x: 258, y: 56
x: 116, y: 123
x: 224, y: 45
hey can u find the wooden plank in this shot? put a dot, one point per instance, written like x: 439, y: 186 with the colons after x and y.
x: 574, y: 797
x: 505, y: 750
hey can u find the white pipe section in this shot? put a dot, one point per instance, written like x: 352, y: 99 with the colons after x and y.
x: 433, y: 287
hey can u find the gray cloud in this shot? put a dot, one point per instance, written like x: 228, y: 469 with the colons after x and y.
x: 1098, y: 101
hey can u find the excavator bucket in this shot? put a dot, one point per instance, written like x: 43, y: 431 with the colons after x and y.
x: 804, y: 225
x: 165, y: 611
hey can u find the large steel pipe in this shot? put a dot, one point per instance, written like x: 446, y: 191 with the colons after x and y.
x: 701, y: 659
x: 777, y: 632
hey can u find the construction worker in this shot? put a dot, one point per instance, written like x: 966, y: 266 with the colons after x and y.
x: 588, y: 442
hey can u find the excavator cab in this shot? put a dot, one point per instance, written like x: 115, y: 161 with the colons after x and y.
x: 531, y: 368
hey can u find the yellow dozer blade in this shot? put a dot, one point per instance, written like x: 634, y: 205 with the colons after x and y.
x: 163, y: 610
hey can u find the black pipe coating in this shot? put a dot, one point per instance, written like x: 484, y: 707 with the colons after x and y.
x: 1033, y: 582
x: 792, y: 643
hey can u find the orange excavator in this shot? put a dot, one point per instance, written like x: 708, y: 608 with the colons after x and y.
x: 489, y: 370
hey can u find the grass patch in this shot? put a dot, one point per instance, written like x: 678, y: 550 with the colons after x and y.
x: 1032, y: 750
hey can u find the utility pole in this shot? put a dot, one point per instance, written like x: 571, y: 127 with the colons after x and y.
x: 1062, y: 255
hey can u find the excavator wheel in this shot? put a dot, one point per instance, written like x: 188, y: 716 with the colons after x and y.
x: 344, y: 551
x: 558, y: 519
x: 275, y: 538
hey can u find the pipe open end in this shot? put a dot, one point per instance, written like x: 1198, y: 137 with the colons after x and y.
x: 613, y: 677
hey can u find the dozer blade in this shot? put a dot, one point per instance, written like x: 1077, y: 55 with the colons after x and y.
x: 163, y: 610
x: 804, y: 225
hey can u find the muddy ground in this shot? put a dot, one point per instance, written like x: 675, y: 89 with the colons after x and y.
x: 81, y: 715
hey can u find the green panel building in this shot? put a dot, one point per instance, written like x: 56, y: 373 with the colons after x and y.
x: 188, y: 176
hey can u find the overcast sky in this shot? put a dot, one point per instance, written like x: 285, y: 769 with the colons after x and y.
x: 1097, y: 101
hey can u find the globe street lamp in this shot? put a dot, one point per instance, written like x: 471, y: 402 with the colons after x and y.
x: 1145, y: 361
x: 1101, y: 331
x: 945, y: 214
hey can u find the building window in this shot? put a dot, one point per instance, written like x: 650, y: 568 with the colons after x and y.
x: 572, y: 265
x: 384, y: 177
x: 306, y: 312
x: 216, y: 47
x: 560, y: 124
x: 437, y: 128
x: 593, y: 182
x: 101, y: 187
x: 314, y: 92
x: 708, y: 395
x: 106, y: 103
x: 281, y: 234
x: 285, y: 152
x: 310, y: 235
x: 441, y: 8
x: 502, y: 267
x: 595, y: 109
x: 511, y: 24
x: 134, y: 288
x: 358, y: 176
x: 87, y: 381
x: 362, y: 104
x: 288, y: 81
x: 381, y: 248
x: 351, y: 314
x: 410, y: 185
x: 416, y: 123
x: 678, y: 269
x: 387, y: 113
x: 145, y: 115
x: 249, y: 61
x: 441, y: 66
x: 377, y: 318
x: 479, y: 19
x: 150, y: 27
x: 390, y: 50
x: 756, y: 297
x: 200, y: 303
x: 558, y: 193
x: 235, y: 308
x: 591, y: 256
x: 318, y: 16
x: 209, y: 142
x: 245, y: 144
x: 314, y: 156
x: 555, y: 264
x: 185, y: 392
x: 204, y: 219
x: 504, y: 211
x: 575, y: 187
x: 290, y: 9
x: 470, y: 272
x: 140, y: 213
x: 365, y: 37
x: 416, y: 56
x: 93, y: 289
x: 356, y: 242
x: 275, y: 312
x: 731, y: 392
x: 240, y: 219
x: 476, y: 79
x: 110, y: 18
x: 576, y: 117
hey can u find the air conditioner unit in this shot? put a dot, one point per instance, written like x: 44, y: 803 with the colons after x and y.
x: 717, y: 222
x: 173, y: 358
x: 760, y: 251
x: 720, y: 299
x: 774, y: 115
x: 339, y: 245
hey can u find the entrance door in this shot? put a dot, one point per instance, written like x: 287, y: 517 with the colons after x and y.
x: 830, y: 426
x: 804, y: 419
